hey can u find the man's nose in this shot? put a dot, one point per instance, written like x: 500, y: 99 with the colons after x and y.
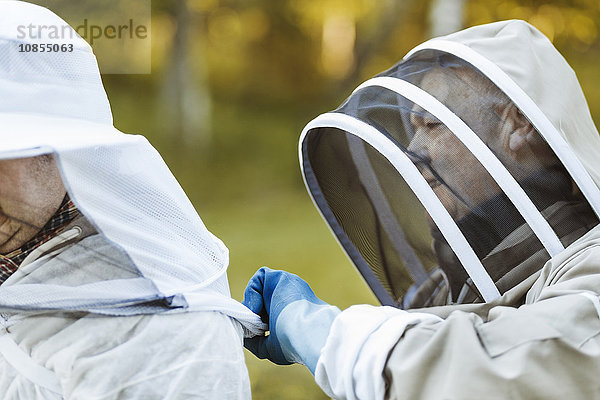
x: 418, y: 152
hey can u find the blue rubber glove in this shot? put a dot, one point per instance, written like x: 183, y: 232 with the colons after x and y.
x: 299, y: 322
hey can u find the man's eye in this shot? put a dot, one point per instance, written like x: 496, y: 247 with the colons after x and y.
x: 432, y: 124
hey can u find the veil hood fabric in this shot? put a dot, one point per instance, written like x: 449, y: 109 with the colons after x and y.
x: 457, y: 173
x: 55, y: 103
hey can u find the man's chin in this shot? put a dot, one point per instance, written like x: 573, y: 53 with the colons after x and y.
x: 12, y: 237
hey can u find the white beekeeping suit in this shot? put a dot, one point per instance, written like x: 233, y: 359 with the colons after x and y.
x: 463, y: 182
x: 131, y: 299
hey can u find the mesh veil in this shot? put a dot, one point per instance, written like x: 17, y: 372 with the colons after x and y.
x: 55, y: 103
x: 440, y: 186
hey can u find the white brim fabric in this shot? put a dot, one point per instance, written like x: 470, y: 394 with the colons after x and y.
x: 54, y: 102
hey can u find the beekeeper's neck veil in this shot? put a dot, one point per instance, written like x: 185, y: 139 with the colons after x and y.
x: 454, y: 175
x: 55, y: 102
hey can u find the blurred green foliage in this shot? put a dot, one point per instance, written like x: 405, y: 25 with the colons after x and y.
x: 266, y: 68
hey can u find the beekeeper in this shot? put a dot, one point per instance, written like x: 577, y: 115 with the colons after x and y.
x: 111, y: 286
x: 463, y: 184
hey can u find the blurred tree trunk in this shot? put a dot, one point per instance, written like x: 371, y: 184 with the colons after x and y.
x: 445, y: 16
x: 186, y: 96
x: 369, y: 43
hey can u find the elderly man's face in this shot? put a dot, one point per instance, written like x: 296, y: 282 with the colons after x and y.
x: 31, y: 190
x: 455, y: 175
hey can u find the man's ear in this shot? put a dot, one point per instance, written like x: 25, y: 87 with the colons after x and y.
x: 518, y: 128
x: 520, y: 137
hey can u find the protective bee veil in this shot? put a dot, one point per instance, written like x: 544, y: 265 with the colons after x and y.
x: 54, y: 103
x: 454, y: 175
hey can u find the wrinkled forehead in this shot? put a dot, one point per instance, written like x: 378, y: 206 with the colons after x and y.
x: 457, y: 85
x: 439, y: 84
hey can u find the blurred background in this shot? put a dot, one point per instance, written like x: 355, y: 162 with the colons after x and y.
x: 233, y: 83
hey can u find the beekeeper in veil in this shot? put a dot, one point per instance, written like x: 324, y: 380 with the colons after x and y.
x: 463, y: 185
x: 111, y: 286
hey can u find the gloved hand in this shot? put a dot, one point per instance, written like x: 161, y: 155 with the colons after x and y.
x: 299, y: 322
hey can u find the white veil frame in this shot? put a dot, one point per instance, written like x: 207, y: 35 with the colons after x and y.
x: 464, y: 46
x: 418, y: 184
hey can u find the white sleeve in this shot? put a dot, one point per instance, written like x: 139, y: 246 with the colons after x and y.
x: 353, y: 359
